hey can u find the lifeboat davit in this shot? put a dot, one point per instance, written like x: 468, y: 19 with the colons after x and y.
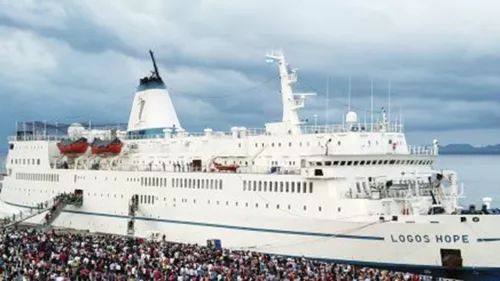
x: 230, y: 167
x: 78, y: 146
x: 107, y: 147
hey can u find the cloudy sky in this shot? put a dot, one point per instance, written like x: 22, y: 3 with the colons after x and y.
x: 80, y: 60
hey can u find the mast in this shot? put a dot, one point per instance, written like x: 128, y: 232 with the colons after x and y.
x: 154, y: 64
x: 291, y: 102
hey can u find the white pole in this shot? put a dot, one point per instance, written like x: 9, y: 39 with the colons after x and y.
x: 327, y: 100
x: 371, y: 106
x: 389, y: 103
x: 45, y: 129
x: 349, y: 95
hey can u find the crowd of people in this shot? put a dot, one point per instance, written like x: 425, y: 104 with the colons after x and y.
x: 29, y: 254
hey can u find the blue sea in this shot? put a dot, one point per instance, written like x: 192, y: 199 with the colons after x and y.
x: 479, y: 173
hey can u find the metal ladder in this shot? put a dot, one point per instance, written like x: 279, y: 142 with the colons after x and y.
x: 133, y: 207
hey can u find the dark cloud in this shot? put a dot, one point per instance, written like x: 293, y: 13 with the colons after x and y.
x: 82, y: 60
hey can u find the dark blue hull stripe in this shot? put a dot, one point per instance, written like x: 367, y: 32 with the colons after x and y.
x: 244, y: 228
x: 466, y: 273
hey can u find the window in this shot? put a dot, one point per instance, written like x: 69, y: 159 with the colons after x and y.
x: 310, y: 187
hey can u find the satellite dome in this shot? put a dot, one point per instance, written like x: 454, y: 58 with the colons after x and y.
x: 75, y: 131
x: 351, y: 117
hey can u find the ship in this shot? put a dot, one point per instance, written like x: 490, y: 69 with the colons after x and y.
x: 353, y: 193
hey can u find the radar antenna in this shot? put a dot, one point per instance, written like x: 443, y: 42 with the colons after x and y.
x: 157, y: 74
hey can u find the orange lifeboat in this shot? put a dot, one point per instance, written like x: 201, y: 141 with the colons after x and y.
x: 230, y: 167
x: 107, y: 147
x: 79, y: 146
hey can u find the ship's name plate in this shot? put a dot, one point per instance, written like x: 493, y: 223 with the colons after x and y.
x: 426, y: 238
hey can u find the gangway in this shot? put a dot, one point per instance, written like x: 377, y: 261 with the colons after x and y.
x: 20, y: 218
x: 53, y: 207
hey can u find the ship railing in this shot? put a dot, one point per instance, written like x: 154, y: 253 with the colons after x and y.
x: 356, y: 127
x: 36, y: 138
x: 206, y: 169
x: 421, y: 150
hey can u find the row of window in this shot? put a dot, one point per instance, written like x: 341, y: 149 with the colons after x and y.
x: 278, y: 186
x: 371, y: 162
x: 21, y: 147
x: 25, y: 161
x: 147, y: 199
x: 197, y: 183
x: 181, y: 183
x: 37, y: 177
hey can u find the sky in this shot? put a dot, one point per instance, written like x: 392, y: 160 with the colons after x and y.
x: 70, y: 61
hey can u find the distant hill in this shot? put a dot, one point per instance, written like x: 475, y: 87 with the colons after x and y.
x: 469, y: 149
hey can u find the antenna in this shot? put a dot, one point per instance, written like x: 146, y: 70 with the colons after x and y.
x: 349, y: 94
x: 365, y: 119
x: 154, y: 64
x: 400, y: 120
x: 389, y: 102
x: 371, y: 106
x: 327, y: 99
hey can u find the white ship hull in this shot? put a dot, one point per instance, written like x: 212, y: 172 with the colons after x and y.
x: 410, y: 243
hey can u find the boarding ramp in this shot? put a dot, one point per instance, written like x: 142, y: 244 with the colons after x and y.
x: 52, y: 208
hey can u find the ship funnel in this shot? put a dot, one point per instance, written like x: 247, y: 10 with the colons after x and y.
x: 152, y: 109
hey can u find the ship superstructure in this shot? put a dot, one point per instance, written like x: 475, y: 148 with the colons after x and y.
x: 353, y: 192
